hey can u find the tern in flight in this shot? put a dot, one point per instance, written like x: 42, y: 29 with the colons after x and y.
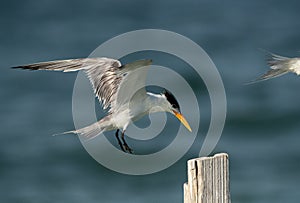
x: 280, y: 65
x: 107, y: 76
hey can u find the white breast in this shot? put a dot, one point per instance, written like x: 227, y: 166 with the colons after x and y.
x: 121, y: 119
x: 129, y: 112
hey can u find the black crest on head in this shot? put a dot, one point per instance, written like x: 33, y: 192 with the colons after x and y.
x: 170, y: 97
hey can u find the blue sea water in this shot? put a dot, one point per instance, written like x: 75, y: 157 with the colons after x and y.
x: 261, y: 133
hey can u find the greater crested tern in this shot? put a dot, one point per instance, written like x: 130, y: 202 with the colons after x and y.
x: 279, y: 65
x: 107, y: 76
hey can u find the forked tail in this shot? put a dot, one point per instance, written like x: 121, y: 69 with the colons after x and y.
x: 91, y: 131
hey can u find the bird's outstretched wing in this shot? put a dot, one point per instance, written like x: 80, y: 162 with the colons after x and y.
x: 272, y: 73
x: 105, y: 74
x: 279, y: 65
x: 276, y: 61
x: 132, y: 83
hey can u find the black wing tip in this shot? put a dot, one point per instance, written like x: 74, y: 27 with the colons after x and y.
x: 25, y: 67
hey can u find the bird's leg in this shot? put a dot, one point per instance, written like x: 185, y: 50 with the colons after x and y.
x: 126, y: 147
x: 119, y: 141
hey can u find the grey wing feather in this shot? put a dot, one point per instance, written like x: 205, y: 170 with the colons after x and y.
x: 132, y: 83
x: 105, y: 79
x: 105, y: 74
x: 273, y: 73
x: 279, y: 66
x: 59, y: 65
x: 102, y: 73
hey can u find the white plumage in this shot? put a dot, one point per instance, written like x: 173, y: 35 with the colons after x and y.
x: 115, y: 85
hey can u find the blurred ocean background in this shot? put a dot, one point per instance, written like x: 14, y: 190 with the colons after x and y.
x: 261, y: 133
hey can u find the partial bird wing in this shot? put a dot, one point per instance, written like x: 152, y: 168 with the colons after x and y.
x: 132, y: 83
x: 276, y: 61
x: 105, y: 74
x: 279, y: 65
x: 273, y: 73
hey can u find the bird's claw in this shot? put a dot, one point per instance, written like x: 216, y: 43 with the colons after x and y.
x: 127, y: 149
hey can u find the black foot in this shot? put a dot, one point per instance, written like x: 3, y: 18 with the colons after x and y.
x: 127, y: 148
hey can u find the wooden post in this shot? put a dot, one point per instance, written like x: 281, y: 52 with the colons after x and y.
x: 208, y: 180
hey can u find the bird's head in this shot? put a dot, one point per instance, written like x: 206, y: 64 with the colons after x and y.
x: 173, y: 107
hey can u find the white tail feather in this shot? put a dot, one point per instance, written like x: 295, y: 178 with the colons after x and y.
x: 91, y: 131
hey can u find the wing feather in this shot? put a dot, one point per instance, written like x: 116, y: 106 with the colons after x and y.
x: 105, y: 74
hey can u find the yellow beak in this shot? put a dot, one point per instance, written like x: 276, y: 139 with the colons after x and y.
x: 182, y: 120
